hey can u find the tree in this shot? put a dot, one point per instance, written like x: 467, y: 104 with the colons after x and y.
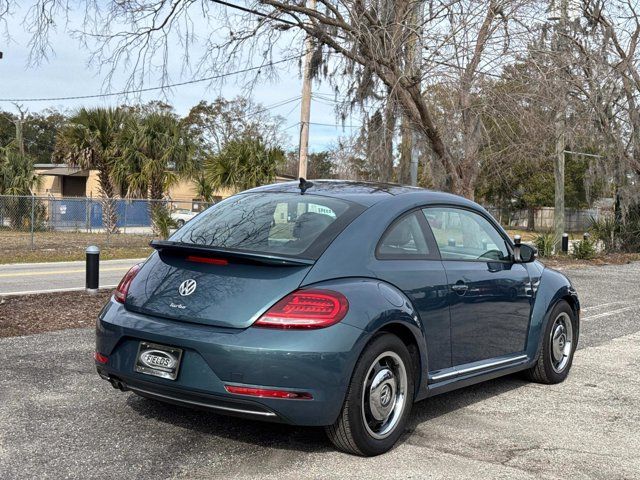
x: 320, y: 165
x: 217, y: 123
x: 7, y: 128
x: 17, y: 179
x: 40, y: 130
x: 155, y: 150
x: 90, y: 140
x: 459, y: 43
x: 17, y: 175
x: 243, y: 164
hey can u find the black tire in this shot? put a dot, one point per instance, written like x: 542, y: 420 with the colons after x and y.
x: 180, y: 223
x: 545, y: 369
x: 351, y: 432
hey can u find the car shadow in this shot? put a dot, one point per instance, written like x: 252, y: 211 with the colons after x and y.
x: 309, y: 439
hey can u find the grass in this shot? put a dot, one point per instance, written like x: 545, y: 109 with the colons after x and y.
x: 68, y: 246
x: 15, y: 247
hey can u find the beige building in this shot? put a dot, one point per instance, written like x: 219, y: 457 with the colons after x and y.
x: 63, y: 181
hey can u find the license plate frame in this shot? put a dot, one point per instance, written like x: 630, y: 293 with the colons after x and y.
x: 161, y: 361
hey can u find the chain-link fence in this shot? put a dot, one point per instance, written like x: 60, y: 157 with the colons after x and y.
x: 542, y: 218
x: 60, y: 228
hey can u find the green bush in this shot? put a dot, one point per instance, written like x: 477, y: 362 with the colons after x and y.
x: 628, y: 233
x: 604, y: 230
x: 584, y: 249
x: 545, y: 243
x: 162, y: 221
x: 619, y: 235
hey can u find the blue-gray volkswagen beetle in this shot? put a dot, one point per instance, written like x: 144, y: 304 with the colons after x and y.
x: 335, y: 304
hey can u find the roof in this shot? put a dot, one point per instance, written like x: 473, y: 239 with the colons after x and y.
x: 63, y: 172
x: 365, y: 193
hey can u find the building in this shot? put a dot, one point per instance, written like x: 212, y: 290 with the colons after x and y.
x: 58, y: 181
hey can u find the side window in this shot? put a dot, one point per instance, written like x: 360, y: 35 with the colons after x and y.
x: 464, y: 235
x: 404, y: 239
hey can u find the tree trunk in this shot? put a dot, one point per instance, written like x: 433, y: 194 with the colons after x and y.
x: 157, y: 209
x: 108, y: 202
x: 406, y: 149
x: 386, y: 169
x: 531, y: 220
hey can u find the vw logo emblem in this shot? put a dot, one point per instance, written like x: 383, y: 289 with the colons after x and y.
x: 187, y: 287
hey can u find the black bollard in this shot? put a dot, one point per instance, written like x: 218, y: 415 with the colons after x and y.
x: 565, y: 243
x: 452, y: 242
x: 586, y: 236
x: 92, y: 269
x: 517, y: 242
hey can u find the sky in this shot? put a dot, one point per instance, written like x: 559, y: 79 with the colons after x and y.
x: 66, y: 73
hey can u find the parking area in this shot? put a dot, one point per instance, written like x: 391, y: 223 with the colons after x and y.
x: 58, y: 420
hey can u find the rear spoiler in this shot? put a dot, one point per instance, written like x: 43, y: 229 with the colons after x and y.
x: 179, y: 248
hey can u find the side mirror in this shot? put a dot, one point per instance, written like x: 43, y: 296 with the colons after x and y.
x: 527, y: 253
x: 523, y: 253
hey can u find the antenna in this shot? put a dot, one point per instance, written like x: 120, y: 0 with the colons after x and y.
x: 304, y: 185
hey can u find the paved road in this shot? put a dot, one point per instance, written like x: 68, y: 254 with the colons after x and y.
x: 19, y: 278
x: 57, y: 420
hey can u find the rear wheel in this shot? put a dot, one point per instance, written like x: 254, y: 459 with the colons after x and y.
x: 180, y: 223
x: 558, y: 345
x: 378, y: 401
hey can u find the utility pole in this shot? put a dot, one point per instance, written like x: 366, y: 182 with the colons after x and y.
x: 305, y: 108
x: 19, y: 123
x: 560, y: 125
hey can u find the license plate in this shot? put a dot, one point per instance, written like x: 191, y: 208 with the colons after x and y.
x: 158, y: 360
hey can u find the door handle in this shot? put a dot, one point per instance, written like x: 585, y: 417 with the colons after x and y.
x: 460, y: 288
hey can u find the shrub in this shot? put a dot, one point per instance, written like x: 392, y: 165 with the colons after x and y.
x: 619, y: 235
x: 584, y: 249
x: 545, y: 243
x: 162, y: 221
x: 604, y: 230
x: 628, y: 233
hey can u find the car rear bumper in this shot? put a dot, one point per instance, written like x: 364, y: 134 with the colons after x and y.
x: 318, y: 362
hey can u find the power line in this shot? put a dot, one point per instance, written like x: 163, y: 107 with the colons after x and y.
x: 255, y: 12
x: 150, y: 89
x: 334, y: 125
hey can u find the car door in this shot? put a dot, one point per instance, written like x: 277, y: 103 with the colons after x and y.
x: 489, y: 294
x: 406, y: 258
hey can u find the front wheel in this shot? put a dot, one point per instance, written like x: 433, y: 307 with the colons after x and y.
x: 378, y: 401
x: 558, y: 346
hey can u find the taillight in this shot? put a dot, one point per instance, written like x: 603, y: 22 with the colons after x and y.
x: 306, y: 309
x: 122, y: 289
x: 268, y: 393
x: 98, y: 357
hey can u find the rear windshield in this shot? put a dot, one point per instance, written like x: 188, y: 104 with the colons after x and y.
x: 272, y: 223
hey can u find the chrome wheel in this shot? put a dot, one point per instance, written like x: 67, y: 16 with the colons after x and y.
x: 384, y: 395
x: 561, y: 342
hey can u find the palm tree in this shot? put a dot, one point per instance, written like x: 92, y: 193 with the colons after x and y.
x: 157, y: 150
x: 90, y: 141
x: 242, y: 164
x: 17, y: 178
x: 17, y: 175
